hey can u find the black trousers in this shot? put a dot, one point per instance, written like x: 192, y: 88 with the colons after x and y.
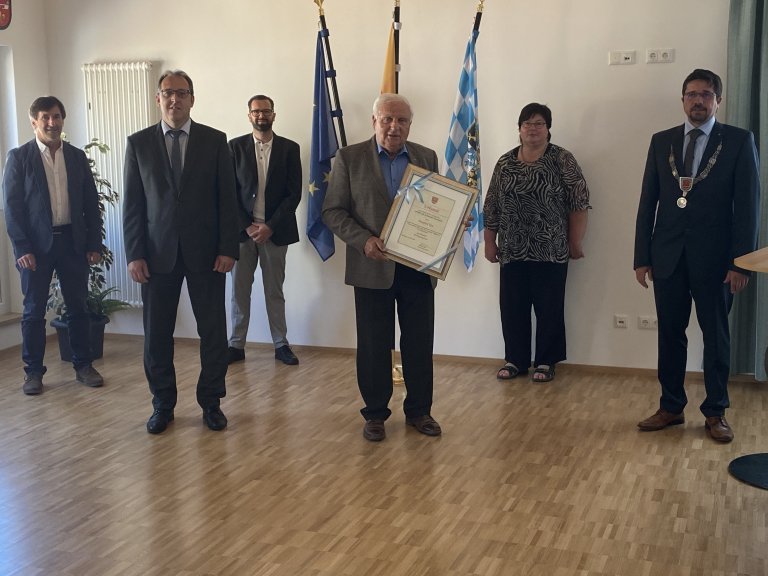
x: 72, y: 269
x: 414, y: 296
x: 161, y: 300
x: 541, y: 285
x: 713, y: 301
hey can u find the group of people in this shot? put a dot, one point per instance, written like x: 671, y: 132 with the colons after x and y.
x: 189, y: 215
x: 699, y: 210
x: 194, y: 208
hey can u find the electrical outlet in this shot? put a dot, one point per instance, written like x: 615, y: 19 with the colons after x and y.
x: 659, y: 55
x: 620, y: 321
x: 647, y: 322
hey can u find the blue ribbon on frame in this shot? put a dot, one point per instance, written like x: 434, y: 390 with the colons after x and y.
x: 414, y: 190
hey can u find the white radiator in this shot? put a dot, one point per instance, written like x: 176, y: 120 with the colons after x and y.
x: 119, y: 101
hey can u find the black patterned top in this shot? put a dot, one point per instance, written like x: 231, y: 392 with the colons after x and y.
x: 528, y: 205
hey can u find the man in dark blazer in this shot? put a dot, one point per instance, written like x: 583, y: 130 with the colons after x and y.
x: 363, y: 184
x: 53, y: 220
x: 180, y: 222
x: 698, y: 211
x: 268, y: 174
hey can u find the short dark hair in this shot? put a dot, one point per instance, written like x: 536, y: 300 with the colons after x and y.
x: 45, y: 103
x: 709, y: 77
x: 179, y: 73
x: 261, y: 97
x: 530, y: 110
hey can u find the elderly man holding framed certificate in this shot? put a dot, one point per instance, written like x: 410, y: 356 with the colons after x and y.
x: 364, y: 182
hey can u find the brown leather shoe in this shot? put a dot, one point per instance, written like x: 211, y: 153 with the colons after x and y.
x: 374, y: 430
x: 661, y: 419
x: 425, y: 424
x: 718, y: 429
x: 33, y: 384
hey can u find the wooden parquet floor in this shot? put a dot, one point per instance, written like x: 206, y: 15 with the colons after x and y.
x: 527, y: 479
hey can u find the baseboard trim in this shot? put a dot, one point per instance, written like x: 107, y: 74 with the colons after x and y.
x: 9, y: 319
x: 561, y: 368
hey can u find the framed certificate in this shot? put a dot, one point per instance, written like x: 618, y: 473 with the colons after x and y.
x: 426, y: 221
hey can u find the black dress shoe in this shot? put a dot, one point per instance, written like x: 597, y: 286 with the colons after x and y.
x: 374, y: 430
x: 214, y: 418
x: 89, y: 376
x: 286, y: 355
x: 159, y: 421
x: 425, y: 424
x: 235, y: 355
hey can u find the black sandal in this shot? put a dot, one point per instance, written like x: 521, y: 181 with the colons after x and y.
x: 511, y: 372
x: 547, y: 372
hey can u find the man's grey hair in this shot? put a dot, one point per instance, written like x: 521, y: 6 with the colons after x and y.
x: 180, y: 74
x: 386, y: 99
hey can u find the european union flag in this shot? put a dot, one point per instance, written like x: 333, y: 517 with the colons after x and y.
x: 324, y: 147
x: 462, y: 153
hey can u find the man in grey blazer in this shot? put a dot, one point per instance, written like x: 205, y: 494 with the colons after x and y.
x: 363, y: 184
x: 53, y: 220
x: 180, y: 223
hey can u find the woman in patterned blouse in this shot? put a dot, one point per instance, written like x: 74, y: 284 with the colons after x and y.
x: 535, y: 219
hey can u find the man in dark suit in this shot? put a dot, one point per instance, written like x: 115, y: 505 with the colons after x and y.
x: 698, y: 211
x: 180, y: 222
x: 268, y: 173
x: 363, y: 184
x: 53, y: 220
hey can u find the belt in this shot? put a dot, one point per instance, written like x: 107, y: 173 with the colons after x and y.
x: 62, y: 229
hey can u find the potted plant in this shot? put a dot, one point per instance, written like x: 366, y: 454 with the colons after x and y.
x: 100, y: 301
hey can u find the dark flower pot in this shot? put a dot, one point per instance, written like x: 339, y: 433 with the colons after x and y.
x: 97, y: 337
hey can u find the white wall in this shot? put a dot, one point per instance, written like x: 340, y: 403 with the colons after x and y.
x: 552, y: 51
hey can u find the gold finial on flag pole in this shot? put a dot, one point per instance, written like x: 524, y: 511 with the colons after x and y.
x: 480, y: 6
x: 319, y: 6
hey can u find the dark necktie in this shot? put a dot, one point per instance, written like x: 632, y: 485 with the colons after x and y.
x: 176, y: 156
x: 688, y: 162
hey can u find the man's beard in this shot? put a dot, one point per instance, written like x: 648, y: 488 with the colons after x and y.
x: 263, y: 126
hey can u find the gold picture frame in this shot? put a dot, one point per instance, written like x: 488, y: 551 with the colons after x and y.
x: 426, y: 222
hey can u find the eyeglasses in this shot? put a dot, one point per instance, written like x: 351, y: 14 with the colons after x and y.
x: 538, y: 124
x: 180, y: 93
x: 264, y: 112
x: 387, y: 120
x: 693, y: 95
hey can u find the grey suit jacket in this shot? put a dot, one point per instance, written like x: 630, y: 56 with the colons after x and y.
x: 200, y: 217
x: 357, y: 204
x: 28, y: 214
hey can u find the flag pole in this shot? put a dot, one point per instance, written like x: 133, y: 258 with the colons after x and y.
x: 334, y: 87
x: 472, y: 138
x: 478, y: 16
x: 396, y: 24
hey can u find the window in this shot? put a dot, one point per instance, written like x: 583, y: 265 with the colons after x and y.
x: 8, y: 140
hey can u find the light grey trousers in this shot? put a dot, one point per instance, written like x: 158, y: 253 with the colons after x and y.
x: 272, y: 259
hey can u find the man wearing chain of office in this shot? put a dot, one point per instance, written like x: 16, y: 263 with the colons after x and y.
x: 698, y: 211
